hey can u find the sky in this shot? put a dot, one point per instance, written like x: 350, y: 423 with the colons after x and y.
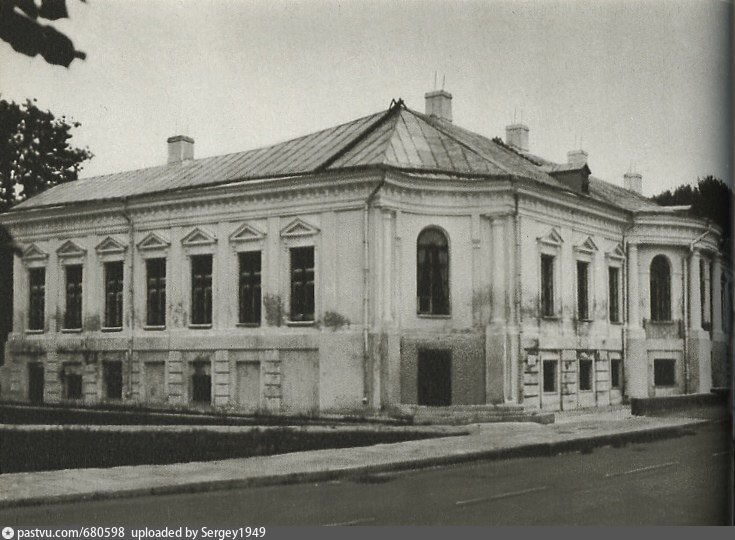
x: 640, y: 85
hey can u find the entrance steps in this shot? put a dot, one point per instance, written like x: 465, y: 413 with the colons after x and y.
x: 472, y: 414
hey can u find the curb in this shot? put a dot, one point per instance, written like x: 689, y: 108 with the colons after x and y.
x: 545, y: 449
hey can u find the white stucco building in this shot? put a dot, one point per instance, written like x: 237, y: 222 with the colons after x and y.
x: 396, y: 259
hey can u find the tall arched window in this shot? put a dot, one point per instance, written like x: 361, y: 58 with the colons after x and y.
x: 660, y: 289
x: 432, y: 272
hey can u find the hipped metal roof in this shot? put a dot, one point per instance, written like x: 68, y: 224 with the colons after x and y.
x: 399, y: 138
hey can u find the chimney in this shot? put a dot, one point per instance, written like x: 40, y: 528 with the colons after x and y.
x: 577, y: 157
x: 180, y: 148
x: 516, y: 136
x: 633, y: 182
x: 439, y: 105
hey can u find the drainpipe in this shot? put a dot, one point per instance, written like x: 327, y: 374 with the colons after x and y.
x: 131, y: 297
x: 623, y: 339
x: 366, y: 387
x: 517, y: 289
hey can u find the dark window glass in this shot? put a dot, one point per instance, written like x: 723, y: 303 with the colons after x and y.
x: 614, y: 293
x: 660, y: 289
x: 549, y: 375
x: 432, y: 272
x: 156, y: 288
x: 73, y: 314
x: 112, y: 378
x: 71, y: 381
x: 201, y: 289
x: 37, y: 302
x: 113, y: 294
x: 583, y: 304
x: 302, y: 284
x: 664, y: 372
x: 585, y: 374
x: 250, y: 287
x: 615, y: 375
x: 547, y: 285
x: 201, y: 382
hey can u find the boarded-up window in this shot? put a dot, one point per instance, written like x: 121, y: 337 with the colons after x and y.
x: 37, y: 303
x: 664, y: 372
x: 614, y: 293
x: 113, y: 294
x: 112, y: 379
x: 432, y: 272
x: 156, y: 292
x: 250, y: 287
x: 585, y: 374
x: 201, y: 382
x: 583, y: 304
x: 616, y: 366
x: 660, y: 289
x: 302, y: 284
x: 201, y: 289
x: 73, y: 313
x: 549, y: 375
x: 547, y: 285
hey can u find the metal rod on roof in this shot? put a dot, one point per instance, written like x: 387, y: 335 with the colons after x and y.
x: 444, y: 78
x: 434, y: 79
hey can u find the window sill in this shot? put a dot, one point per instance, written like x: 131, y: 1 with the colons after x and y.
x: 32, y: 332
x: 617, y: 323
x: 71, y: 330
x: 590, y: 391
x: 585, y: 320
x: 300, y: 323
x: 200, y: 326
x: 666, y: 387
x: 154, y: 328
x: 247, y: 325
x: 430, y: 316
x: 111, y: 329
x: 550, y: 317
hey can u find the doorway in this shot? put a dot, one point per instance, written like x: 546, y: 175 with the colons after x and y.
x: 35, y: 382
x: 435, y: 378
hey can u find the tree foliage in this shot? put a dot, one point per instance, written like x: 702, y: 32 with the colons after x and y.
x: 35, y: 153
x: 710, y: 198
x: 21, y: 28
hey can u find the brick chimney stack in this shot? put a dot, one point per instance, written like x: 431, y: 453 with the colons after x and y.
x: 577, y: 157
x: 633, y: 182
x: 180, y: 148
x: 439, y: 105
x: 516, y: 136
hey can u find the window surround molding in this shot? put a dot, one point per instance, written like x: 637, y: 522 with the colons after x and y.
x: 550, y: 244
x: 34, y: 257
x: 300, y: 233
x: 71, y: 253
x: 111, y: 250
x: 199, y: 242
x: 247, y: 238
x: 448, y: 239
x: 669, y: 290
x: 585, y: 252
x: 153, y: 246
x: 616, y: 259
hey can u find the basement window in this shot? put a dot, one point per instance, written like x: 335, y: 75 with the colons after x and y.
x: 36, y: 304
x: 616, y: 366
x: 585, y: 374
x: 201, y: 290
x: 201, y: 382
x: 113, y: 294
x: 71, y: 380
x: 112, y: 379
x: 549, y: 375
x: 664, y: 372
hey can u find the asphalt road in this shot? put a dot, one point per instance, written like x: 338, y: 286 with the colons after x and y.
x: 680, y: 481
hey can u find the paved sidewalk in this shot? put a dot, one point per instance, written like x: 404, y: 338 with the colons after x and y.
x: 484, y: 441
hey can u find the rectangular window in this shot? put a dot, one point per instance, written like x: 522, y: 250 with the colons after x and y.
x: 615, y: 372
x: 664, y: 372
x: 583, y: 303
x: 549, y: 375
x: 249, y: 287
x: 614, y: 293
x: 73, y: 314
x: 201, y: 289
x: 113, y: 294
x: 112, y: 379
x: 37, y: 302
x: 302, y: 284
x: 585, y: 374
x: 156, y: 287
x: 71, y: 380
x: 547, y: 285
x: 201, y: 382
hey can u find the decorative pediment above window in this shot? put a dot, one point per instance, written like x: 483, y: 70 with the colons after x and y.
x: 588, y: 246
x: 153, y: 242
x: 70, y: 250
x: 34, y: 253
x: 246, y: 233
x: 198, y: 237
x: 616, y: 253
x: 298, y: 227
x: 552, y: 238
x: 110, y: 246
